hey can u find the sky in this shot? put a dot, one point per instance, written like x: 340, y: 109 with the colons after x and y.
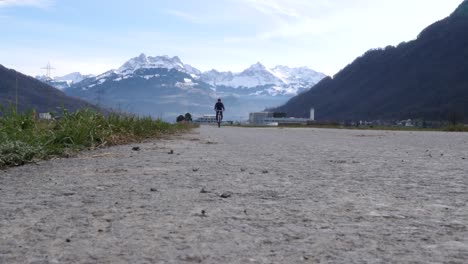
x: 94, y: 36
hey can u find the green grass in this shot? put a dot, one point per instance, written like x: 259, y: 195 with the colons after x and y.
x: 24, y: 139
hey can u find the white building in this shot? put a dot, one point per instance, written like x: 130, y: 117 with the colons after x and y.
x: 46, y: 116
x: 266, y: 118
x: 206, y: 119
x: 258, y: 118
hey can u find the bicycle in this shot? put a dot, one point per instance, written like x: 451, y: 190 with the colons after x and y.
x: 219, y: 117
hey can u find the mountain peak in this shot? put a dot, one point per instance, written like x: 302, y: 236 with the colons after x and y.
x: 148, y: 62
x: 257, y: 66
x: 176, y: 59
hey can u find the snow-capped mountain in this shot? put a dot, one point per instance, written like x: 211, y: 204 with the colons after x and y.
x: 255, y: 80
x: 297, y: 75
x: 165, y: 62
x: 157, y: 86
x: 65, y: 81
x: 276, y: 81
x: 163, y: 84
x: 255, y: 75
x: 74, y: 77
x: 146, y: 67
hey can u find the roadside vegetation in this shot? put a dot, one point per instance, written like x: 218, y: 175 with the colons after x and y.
x: 446, y: 128
x: 24, y: 139
x: 456, y: 128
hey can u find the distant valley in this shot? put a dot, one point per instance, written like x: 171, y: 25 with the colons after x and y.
x: 165, y: 87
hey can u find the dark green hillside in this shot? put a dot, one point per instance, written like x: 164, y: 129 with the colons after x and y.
x: 34, y: 94
x: 425, y: 78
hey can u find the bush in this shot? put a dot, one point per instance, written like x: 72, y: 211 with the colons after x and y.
x: 180, y: 118
x: 14, y: 153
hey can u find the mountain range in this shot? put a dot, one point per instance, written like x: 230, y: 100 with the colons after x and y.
x: 426, y: 78
x: 65, y: 81
x: 164, y: 86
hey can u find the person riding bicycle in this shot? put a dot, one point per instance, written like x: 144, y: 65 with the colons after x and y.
x: 219, y: 108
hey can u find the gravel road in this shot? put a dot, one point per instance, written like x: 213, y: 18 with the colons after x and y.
x: 245, y: 195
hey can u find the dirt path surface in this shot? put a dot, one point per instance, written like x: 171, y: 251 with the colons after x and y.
x: 291, y: 196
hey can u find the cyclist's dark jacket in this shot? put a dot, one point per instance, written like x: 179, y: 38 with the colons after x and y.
x: 219, y: 106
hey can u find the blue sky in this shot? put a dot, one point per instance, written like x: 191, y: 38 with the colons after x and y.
x: 93, y: 36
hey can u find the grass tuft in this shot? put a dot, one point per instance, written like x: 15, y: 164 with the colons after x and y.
x: 24, y: 139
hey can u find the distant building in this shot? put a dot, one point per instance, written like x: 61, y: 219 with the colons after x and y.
x: 268, y: 118
x: 312, y: 114
x: 409, y: 123
x: 45, y: 116
x: 258, y: 118
x: 206, y: 119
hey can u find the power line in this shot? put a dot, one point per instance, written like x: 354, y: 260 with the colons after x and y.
x: 48, y: 69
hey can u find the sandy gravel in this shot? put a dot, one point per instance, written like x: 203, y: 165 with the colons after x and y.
x: 294, y: 196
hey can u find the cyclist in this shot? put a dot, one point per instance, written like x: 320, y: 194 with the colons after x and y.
x: 219, y: 108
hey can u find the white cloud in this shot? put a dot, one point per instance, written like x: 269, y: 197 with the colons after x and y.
x: 286, y: 19
x: 33, y: 3
x: 292, y: 18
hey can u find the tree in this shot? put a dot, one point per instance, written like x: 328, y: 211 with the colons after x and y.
x: 188, y: 117
x: 180, y: 118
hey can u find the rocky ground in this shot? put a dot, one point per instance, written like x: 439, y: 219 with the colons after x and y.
x: 245, y: 195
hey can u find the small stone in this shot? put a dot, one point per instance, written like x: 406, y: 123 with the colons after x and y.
x: 195, y: 169
x: 153, y: 189
x: 136, y: 148
x: 203, y: 190
x: 226, y: 195
x: 203, y: 212
x: 68, y: 240
x: 100, y: 230
x: 243, y: 169
x: 171, y: 152
x: 264, y: 171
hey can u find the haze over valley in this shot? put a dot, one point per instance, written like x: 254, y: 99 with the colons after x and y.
x: 165, y: 87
